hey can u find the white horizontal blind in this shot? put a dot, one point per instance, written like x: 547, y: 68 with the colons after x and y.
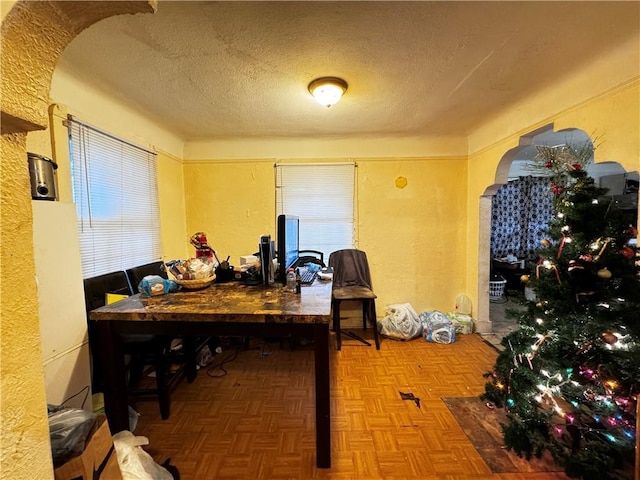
x: 116, y: 196
x: 323, y: 196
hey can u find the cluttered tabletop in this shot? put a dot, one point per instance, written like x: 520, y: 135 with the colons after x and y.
x: 231, y: 301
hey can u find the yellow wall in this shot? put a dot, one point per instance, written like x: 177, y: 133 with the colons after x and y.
x: 232, y: 202
x: 23, y: 425
x: 172, y: 207
x: 413, y: 236
x: 603, y: 100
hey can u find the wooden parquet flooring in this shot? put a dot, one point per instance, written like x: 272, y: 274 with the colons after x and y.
x: 257, y: 421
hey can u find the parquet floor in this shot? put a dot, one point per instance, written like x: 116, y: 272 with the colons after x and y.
x: 257, y: 421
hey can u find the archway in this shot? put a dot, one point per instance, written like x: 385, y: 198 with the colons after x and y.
x: 521, y: 154
x: 34, y: 35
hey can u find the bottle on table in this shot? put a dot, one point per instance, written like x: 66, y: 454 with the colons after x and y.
x: 298, y: 281
x: 291, y: 280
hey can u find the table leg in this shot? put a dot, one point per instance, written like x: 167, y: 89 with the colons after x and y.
x: 323, y: 417
x: 115, y: 387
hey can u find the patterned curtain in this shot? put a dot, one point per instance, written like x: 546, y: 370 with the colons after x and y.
x: 520, y: 213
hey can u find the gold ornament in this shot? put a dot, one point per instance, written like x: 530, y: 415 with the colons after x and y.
x: 604, y: 273
x: 545, y: 242
x: 524, y: 278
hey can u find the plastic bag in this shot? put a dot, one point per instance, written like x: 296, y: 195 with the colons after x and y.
x: 152, y: 285
x: 134, y: 462
x: 69, y: 429
x: 463, y: 323
x: 401, y: 322
x: 437, y: 327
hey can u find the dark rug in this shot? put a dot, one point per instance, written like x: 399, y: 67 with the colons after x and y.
x: 482, y: 426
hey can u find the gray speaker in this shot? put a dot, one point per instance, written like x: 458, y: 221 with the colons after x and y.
x: 43, y: 177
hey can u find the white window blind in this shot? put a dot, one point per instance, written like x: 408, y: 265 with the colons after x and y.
x: 323, y: 197
x: 115, y: 191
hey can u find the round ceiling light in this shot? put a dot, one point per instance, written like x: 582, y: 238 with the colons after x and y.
x: 327, y: 91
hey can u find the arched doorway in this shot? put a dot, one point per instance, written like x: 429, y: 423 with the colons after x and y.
x: 34, y: 35
x: 510, y: 165
x: 610, y: 175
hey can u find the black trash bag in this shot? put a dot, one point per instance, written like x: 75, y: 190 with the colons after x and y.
x: 69, y: 429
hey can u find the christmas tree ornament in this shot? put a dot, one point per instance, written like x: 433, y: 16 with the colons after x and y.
x: 525, y: 279
x: 574, y: 361
x: 631, y: 231
x: 627, y: 252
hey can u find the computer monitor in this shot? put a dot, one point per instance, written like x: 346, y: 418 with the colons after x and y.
x: 288, y: 238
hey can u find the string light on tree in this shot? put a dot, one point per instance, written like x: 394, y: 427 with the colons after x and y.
x: 568, y: 377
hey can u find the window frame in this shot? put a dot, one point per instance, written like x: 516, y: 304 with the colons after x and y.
x: 300, y: 188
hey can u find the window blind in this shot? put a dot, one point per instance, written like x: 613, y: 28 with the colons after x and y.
x: 323, y: 197
x: 115, y: 191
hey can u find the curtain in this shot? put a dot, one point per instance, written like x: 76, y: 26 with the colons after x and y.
x: 520, y: 213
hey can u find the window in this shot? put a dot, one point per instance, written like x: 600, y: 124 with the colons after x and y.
x: 323, y: 196
x: 115, y: 191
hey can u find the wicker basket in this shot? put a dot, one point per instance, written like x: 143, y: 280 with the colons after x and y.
x: 196, y: 284
x: 496, y: 289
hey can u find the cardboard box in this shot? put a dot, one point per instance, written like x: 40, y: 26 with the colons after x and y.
x: 97, y: 461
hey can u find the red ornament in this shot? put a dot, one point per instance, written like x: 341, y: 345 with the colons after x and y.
x: 548, y: 164
x: 577, y: 166
x: 557, y: 189
x: 627, y: 252
x: 631, y: 231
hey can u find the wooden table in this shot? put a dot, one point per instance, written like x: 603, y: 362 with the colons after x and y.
x: 226, y: 309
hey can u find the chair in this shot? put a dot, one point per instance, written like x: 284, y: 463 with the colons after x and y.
x: 144, y: 350
x: 310, y: 256
x: 352, y: 282
x: 191, y: 345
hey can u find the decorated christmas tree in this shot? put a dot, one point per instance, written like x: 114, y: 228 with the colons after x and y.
x: 569, y: 376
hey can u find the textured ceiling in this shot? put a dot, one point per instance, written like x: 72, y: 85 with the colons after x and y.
x: 210, y: 70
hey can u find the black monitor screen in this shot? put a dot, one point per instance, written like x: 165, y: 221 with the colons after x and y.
x: 288, y: 243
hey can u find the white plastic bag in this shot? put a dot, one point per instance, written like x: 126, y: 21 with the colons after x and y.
x: 134, y: 462
x: 401, y: 322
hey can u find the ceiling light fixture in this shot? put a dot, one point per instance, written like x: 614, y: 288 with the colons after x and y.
x: 327, y: 91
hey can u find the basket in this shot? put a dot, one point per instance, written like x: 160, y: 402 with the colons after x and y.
x: 197, y: 283
x: 496, y: 289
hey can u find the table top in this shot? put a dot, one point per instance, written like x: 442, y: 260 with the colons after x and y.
x: 227, y: 302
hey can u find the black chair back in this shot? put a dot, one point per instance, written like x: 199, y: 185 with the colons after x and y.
x: 96, y: 288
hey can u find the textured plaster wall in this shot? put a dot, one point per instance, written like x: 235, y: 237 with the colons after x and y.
x: 33, y: 36
x: 612, y: 115
x: 172, y: 207
x: 232, y: 202
x: 414, y: 236
x: 92, y: 105
x: 24, y: 429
